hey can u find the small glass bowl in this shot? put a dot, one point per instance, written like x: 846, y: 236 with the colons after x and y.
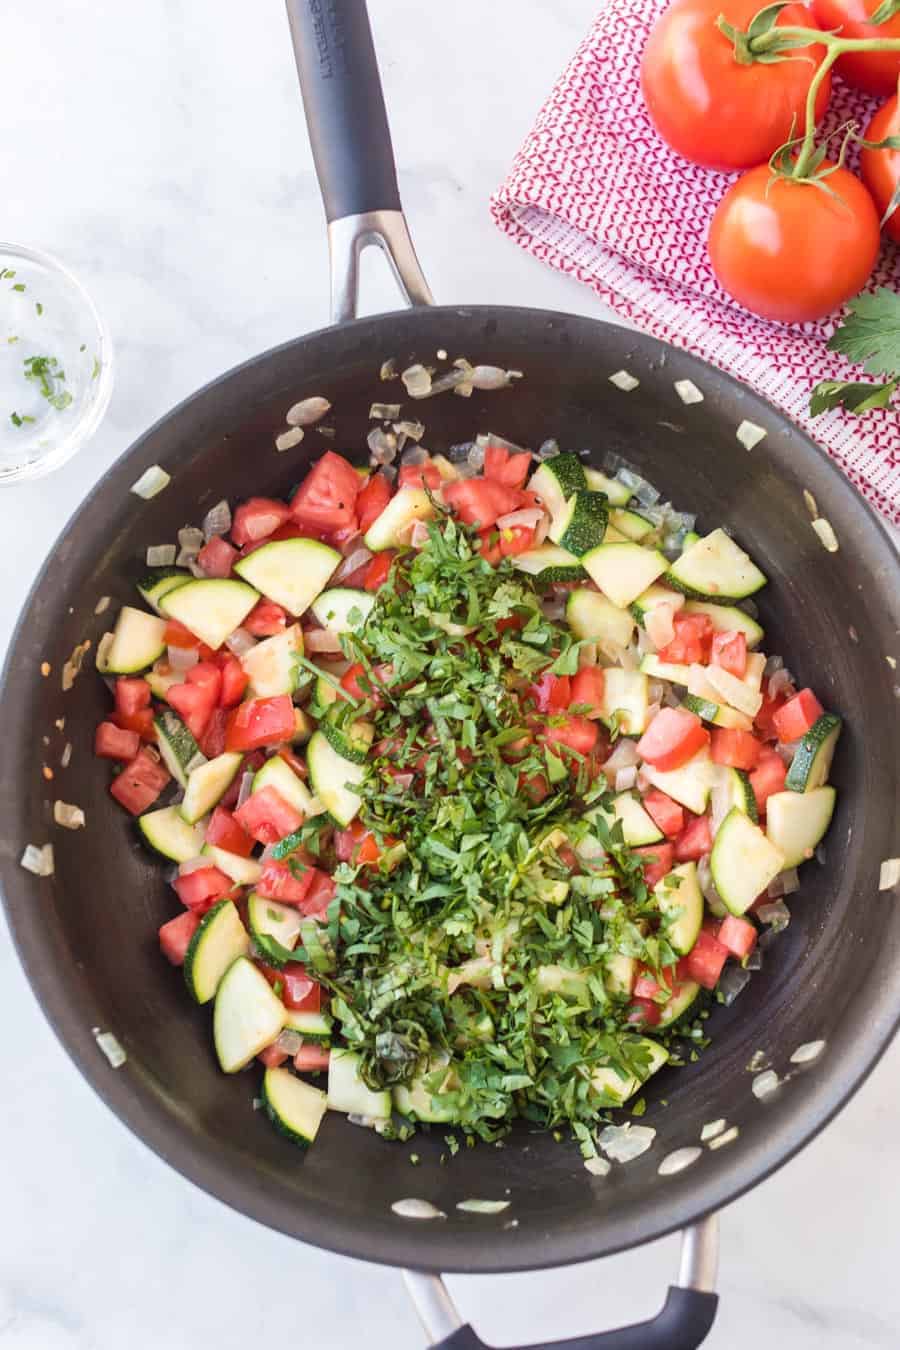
x: 56, y: 364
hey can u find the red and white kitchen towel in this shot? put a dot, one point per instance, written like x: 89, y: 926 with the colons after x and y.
x: 597, y: 194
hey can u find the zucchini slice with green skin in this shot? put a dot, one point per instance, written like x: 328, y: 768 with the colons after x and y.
x: 342, y: 609
x: 333, y: 779
x: 690, y: 785
x: 619, y: 973
x: 211, y: 609
x: 744, y: 860
x: 418, y: 1101
x: 160, y: 683
x: 581, y: 524
x: 625, y: 698
x: 665, y: 670
x: 167, y: 832
x: 207, y: 784
x: 290, y: 572
x: 312, y: 1026
x: 728, y: 619
x: 683, y: 998
x: 178, y: 750
x: 248, y: 1015
x: 741, y: 793
x: 159, y: 581
x: 634, y: 526
x: 347, y: 1091
x: 812, y: 760
x: 243, y: 871
x: 556, y: 480
x: 563, y: 980
x: 138, y: 640
x: 682, y: 903
x: 593, y: 618
x: 656, y: 595
x: 295, y: 1108
x: 215, y: 946
x: 275, y: 773
x: 393, y: 527
x: 267, y: 918
x: 272, y: 666
x: 617, y: 493
x: 716, y: 568
x: 549, y: 563
x: 719, y: 714
x: 624, y: 571
x: 351, y: 739
x: 797, y: 821
x: 637, y: 826
x: 612, y: 1088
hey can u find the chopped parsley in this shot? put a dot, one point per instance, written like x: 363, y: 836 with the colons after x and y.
x: 48, y: 375
x: 20, y: 419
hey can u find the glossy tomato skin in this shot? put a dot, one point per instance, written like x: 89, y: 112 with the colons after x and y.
x: 880, y: 169
x: 876, y: 72
x: 713, y: 110
x: 762, y: 251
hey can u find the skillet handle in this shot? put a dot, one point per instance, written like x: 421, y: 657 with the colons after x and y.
x: 683, y: 1322
x: 351, y: 144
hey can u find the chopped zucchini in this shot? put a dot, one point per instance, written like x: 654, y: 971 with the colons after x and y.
x: 351, y: 739
x: 632, y: 525
x: 743, y: 861
x: 333, y: 779
x: 207, y: 784
x: 625, y: 700
x: 393, y: 527
x: 718, y: 713
x: 243, y: 871
x: 267, y: 918
x: 291, y: 572
x: 593, y: 618
x: 637, y: 826
x: 342, y: 609
x: 275, y: 773
x: 211, y: 609
x: 682, y: 903
x: 549, y: 563
x: 419, y: 1101
x: 812, y: 760
x: 215, y: 946
x: 690, y: 785
x: 614, y: 1088
x: 347, y: 1091
x: 665, y: 670
x: 179, y: 751
x: 741, y: 794
x: 581, y: 524
x: 137, y: 641
x: 248, y: 1015
x: 683, y: 998
x: 620, y: 973
x: 728, y: 619
x: 168, y: 833
x: 796, y: 822
x: 716, y: 568
x: 617, y: 493
x: 312, y: 1026
x: 272, y: 665
x: 655, y: 595
x: 295, y: 1108
x: 159, y: 581
x: 556, y: 480
x: 624, y: 571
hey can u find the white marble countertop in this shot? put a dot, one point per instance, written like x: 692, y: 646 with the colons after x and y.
x: 160, y: 150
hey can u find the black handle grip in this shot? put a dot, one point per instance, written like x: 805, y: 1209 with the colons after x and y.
x: 348, y: 126
x: 683, y: 1323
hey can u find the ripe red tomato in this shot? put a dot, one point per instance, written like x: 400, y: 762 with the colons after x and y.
x: 729, y: 651
x: 372, y: 500
x: 693, y: 635
x: 876, y: 72
x: 261, y: 722
x: 880, y: 169
x: 480, y: 501
x: 759, y: 243
x: 672, y: 738
x: 256, y: 519
x: 710, y: 108
x: 326, y: 499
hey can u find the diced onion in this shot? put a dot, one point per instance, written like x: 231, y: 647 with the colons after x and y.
x: 245, y: 789
x: 217, y: 520
x: 240, y: 642
x: 720, y: 805
x: 707, y: 885
x: 192, y: 865
x: 777, y: 915
x: 678, y: 1161
x: 483, y: 1206
x: 358, y: 558
x: 527, y: 517
x: 419, y: 534
x: 321, y: 640
x: 623, y: 380
x: 758, y: 1060
x: 733, y: 982
x: 786, y: 752
x: 382, y: 445
x: 623, y: 1143
x: 772, y: 664
x: 72, y: 668
x: 623, y: 756
x: 286, y: 440
x: 161, y: 555
x: 307, y: 411
x: 889, y: 874
x: 475, y: 457
x: 598, y: 1167
x: 688, y: 392
x: 826, y: 534
x: 548, y: 450
x: 111, y: 1047
x: 765, y: 1084
x: 415, y: 1209
x: 65, y: 758
x: 727, y: 1138
x: 151, y: 481
x: 388, y: 369
x: 626, y: 779
x: 68, y: 816
x: 659, y: 624
x: 806, y: 1053
x: 749, y: 434
x: 182, y: 658
x: 410, y: 431
x: 289, y: 1041
x: 491, y: 438
x: 384, y: 412
x: 785, y: 883
x: 103, y: 604
x: 780, y: 682
x: 491, y: 377
x: 711, y: 1129
x: 38, y: 861
x: 417, y: 381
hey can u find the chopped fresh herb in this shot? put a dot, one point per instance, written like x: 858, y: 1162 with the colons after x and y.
x: 870, y: 337
x: 11, y: 340
x: 83, y: 347
x: 46, y: 372
x: 39, y: 308
x: 7, y: 273
x: 97, y: 368
x: 20, y: 419
x: 19, y: 286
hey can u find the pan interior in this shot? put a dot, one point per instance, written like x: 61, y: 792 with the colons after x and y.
x: 88, y: 935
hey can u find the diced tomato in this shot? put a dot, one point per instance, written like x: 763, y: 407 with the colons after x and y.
x: 587, y: 690
x: 667, y: 815
x: 140, y: 782
x: 112, y: 742
x: 659, y: 861
x: 691, y: 643
x: 322, y: 890
x: 140, y: 722
x: 272, y: 1057
x: 489, y: 546
x: 299, y: 990
x: 706, y: 959
x: 293, y: 761
x: 672, y: 738
x: 511, y: 624
x: 194, y: 704
x: 268, y: 817
x: 287, y: 881
x: 738, y: 749
x: 356, y: 844
x: 223, y: 831
x: 234, y: 682
x: 551, y: 693
x: 576, y: 733
x: 212, y: 742
x: 372, y: 500
x: 312, y: 1058
x: 326, y: 499
x: 500, y: 466
x: 175, y: 936
x: 738, y: 935
x: 643, y: 1012
x: 646, y: 985
x: 729, y: 650
x: 358, y: 682
x: 534, y: 786
x: 217, y: 557
x: 261, y: 721
x: 256, y: 519
x: 420, y: 475
x: 200, y: 889
x: 132, y: 695
x: 768, y: 777
x: 478, y: 501
x: 797, y: 716
x: 694, y: 841
x: 265, y: 619
x: 515, y: 539
x: 378, y: 570
x: 208, y: 677
x: 177, y: 635
x: 765, y: 718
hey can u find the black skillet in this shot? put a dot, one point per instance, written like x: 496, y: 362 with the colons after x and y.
x: 87, y: 936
